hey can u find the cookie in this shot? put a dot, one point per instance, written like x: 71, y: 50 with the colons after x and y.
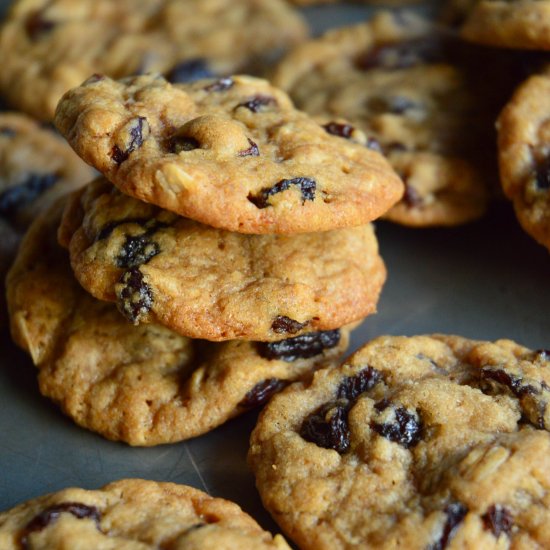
x: 48, y: 47
x: 524, y: 155
x: 390, y: 78
x: 216, y: 285
x: 231, y: 153
x: 144, y: 385
x: 132, y: 514
x: 427, y: 442
x: 519, y: 24
x: 36, y: 167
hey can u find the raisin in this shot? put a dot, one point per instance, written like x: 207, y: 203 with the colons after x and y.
x: 137, y: 128
x: 405, y: 428
x: 396, y: 105
x: 412, y: 198
x: 261, y: 392
x: 51, y: 515
x: 541, y: 355
x: 352, y: 387
x: 252, y: 151
x: 18, y: 196
x: 108, y: 228
x: 220, y: 85
x: 189, y: 71
x: 374, y: 144
x: 134, y: 295
x: 328, y: 427
x: 36, y: 25
x: 7, y: 132
x: 177, y: 144
x: 456, y: 512
x: 286, y: 325
x: 542, y: 175
x: 533, y: 395
x: 498, y: 519
x: 401, y: 55
x: 340, y: 130
x: 256, y: 104
x: 300, y: 347
x: 136, y: 251
x: 307, y: 188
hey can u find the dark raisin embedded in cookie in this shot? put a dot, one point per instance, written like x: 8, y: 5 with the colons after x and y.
x: 300, y: 347
x: 137, y: 250
x: 285, y: 325
x: 398, y: 424
x: 252, y: 151
x: 307, y: 188
x: 261, y: 393
x: 189, y: 71
x: 135, y: 133
x: 498, y: 519
x: 352, y: 387
x: 258, y: 103
x: 36, y: 25
x: 220, y: 85
x: 328, y: 427
x: 134, y: 295
x: 402, y: 55
x: 456, y: 512
x: 51, y: 515
x: 412, y: 198
x: 339, y: 129
x: 24, y: 193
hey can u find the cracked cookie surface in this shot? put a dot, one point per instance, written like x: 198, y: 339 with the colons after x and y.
x: 524, y: 155
x: 132, y: 514
x: 49, y: 47
x: 209, y: 283
x: 422, y: 442
x: 232, y: 153
x: 144, y: 385
x: 390, y: 78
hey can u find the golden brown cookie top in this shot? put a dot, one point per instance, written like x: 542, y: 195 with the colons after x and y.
x: 132, y: 514
x: 391, y: 78
x: 231, y: 153
x: 144, y: 385
x: 49, y: 47
x: 421, y: 442
x: 213, y: 284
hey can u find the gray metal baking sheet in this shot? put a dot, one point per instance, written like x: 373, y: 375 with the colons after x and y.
x: 487, y: 280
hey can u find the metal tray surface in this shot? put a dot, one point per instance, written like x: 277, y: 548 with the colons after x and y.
x: 486, y: 280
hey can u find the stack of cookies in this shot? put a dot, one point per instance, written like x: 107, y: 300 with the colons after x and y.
x: 231, y: 230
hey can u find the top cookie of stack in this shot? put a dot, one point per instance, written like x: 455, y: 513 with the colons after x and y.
x: 232, y: 153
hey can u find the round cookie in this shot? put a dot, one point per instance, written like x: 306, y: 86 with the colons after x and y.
x: 132, y: 514
x: 390, y: 79
x: 520, y: 24
x: 144, y: 385
x: 427, y: 442
x: 213, y: 284
x: 524, y: 155
x: 231, y: 153
x: 36, y: 167
x: 48, y: 47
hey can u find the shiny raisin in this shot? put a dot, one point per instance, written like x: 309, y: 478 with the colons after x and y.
x: 257, y: 103
x: 189, y: 71
x: 220, y: 85
x: 252, y: 151
x: 137, y: 250
x: 134, y: 295
x: 403, y: 427
x: 136, y: 130
x: 455, y: 512
x: 498, y: 519
x: 285, y: 325
x: 412, y: 198
x: 261, y: 393
x: 307, y: 188
x: 340, y: 130
x: 300, y: 347
x: 51, y: 515
x: 328, y: 427
x: 352, y: 387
